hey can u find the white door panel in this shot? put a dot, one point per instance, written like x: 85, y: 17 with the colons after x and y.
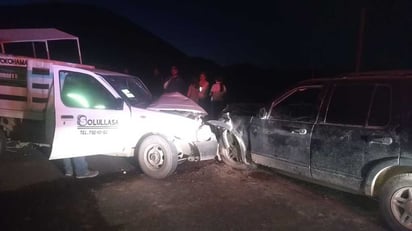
x: 89, y: 120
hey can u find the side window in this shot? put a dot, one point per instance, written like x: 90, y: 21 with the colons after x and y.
x: 302, y: 105
x: 381, y: 107
x: 83, y: 91
x: 349, y: 104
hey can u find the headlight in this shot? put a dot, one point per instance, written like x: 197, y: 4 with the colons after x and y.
x: 204, y: 133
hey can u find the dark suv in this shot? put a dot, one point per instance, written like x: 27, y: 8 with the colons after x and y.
x: 350, y: 133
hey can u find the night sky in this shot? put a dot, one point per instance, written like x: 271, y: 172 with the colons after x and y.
x: 279, y: 33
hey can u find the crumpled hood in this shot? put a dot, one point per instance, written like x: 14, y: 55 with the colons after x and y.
x: 176, y: 103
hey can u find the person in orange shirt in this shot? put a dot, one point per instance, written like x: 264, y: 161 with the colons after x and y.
x: 217, y: 97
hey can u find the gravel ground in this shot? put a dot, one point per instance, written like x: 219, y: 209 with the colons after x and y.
x: 34, y: 195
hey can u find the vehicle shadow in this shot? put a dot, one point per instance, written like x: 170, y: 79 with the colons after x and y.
x: 367, y: 206
x: 63, y: 204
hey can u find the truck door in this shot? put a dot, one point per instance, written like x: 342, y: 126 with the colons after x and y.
x: 90, y: 118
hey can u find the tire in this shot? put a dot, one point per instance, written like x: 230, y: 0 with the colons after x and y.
x: 3, y: 143
x: 157, y: 157
x: 396, y: 202
x: 231, y: 155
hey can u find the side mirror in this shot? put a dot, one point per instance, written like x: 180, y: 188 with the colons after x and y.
x: 262, y: 113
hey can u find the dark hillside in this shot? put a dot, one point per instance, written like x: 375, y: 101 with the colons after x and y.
x: 113, y: 42
x: 107, y: 40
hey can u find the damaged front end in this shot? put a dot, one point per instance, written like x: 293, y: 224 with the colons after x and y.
x: 193, y: 138
x: 233, y: 139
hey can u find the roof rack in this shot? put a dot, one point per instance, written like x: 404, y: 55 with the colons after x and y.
x: 377, y: 73
x: 33, y: 35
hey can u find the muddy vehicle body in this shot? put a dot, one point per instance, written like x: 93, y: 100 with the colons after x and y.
x: 352, y: 133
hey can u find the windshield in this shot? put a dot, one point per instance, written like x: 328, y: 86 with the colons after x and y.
x: 131, y: 89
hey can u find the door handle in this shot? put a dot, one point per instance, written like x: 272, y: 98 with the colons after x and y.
x: 67, y: 117
x: 300, y: 131
x: 376, y: 139
x: 381, y: 140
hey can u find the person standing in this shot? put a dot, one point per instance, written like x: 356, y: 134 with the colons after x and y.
x: 194, y: 90
x: 217, y: 97
x: 175, y: 83
x: 79, y: 166
x: 157, y: 82
x: 203, y: 91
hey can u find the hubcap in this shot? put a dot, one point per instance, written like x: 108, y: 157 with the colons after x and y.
x: 401, y: 206
x: 154, y: 157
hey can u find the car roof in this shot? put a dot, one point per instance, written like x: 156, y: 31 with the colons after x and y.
x: 363, y: 76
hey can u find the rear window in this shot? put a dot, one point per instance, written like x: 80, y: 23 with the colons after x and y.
x: 381, y: 107
x: 360, y: 104
x: 349, y: 104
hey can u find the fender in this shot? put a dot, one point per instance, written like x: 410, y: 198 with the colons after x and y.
x: 375, y: 172
x: 239, y: 140
x: 220, y: 124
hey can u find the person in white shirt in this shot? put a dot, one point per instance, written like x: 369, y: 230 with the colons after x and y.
x: 175, y: 83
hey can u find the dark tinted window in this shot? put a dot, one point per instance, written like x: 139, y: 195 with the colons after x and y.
x: 381, y: 107
x: 301, y: 105
x: 349, y: 104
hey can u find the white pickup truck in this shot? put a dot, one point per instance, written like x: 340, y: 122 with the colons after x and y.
x: 80, y: 110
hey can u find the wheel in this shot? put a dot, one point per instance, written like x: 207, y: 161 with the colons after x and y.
x: 157, y: 157
x: 3, y: 143
x: 396, y: 202
x: 232, y: 154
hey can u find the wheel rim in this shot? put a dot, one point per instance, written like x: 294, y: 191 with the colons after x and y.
x: 154, y: 156
x: 401, y: 206
x: 232, y: 152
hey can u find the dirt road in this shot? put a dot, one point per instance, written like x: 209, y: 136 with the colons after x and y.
x: 200, y: 196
